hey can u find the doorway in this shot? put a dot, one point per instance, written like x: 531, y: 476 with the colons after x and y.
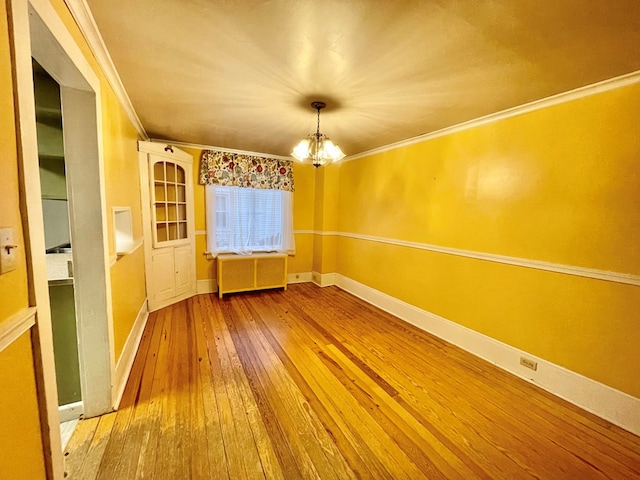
x: 58, y: 248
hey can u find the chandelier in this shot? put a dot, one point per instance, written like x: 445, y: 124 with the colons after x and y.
x: 317, y: 147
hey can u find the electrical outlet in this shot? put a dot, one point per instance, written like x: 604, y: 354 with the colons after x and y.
x: 8, y: 253
x: 527, y: 362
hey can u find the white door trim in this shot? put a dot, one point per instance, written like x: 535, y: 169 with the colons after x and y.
x: 89, y: 239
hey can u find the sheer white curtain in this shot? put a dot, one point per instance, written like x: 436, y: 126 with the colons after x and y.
x: 244, y: 220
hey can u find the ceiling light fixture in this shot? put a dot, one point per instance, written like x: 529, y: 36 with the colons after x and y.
x: 317, y: 147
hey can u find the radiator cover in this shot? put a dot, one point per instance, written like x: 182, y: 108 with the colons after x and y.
x: 241, y: 273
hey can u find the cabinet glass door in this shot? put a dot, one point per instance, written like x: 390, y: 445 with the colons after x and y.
x: 169, y: 205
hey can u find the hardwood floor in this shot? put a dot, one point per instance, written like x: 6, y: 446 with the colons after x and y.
x: 315, y: 383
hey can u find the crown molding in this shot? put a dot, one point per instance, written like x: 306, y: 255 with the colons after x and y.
x: 221, y: 149
x: 581, y: 92
x: 84, y: 19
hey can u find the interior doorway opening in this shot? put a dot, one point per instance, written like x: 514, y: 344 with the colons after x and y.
x: 58, y: 248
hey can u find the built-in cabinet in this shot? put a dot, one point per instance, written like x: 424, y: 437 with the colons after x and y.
x: 166, y: 175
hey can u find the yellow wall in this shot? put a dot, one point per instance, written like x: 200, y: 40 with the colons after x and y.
x: 20, y: 439
x: 120, y: 150
x: 326, y: 204
x: 128, y: 293
x: 122, y: 189
x: 560, y: 184
x: 318, y: 219
x: 303, y: 219
x: 13, y: 285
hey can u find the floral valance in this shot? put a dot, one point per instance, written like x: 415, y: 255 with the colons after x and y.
x: 249, y: 171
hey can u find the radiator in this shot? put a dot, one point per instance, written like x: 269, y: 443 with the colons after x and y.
x: 241, y: 273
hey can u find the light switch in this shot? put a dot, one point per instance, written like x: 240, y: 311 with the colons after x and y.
x: 8, y: 251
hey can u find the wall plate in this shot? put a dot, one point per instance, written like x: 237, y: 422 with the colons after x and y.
x: 8, y: 251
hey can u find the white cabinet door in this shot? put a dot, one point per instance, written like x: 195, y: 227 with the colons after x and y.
x: 162, y: 276
x: 183, y: 257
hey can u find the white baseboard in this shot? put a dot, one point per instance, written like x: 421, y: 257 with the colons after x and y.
x: 128, y: 355
x: 70, y: 411
x: 209, y: 285
x: 613, y: 405
x: 299, y: 277
x: 324, y: 279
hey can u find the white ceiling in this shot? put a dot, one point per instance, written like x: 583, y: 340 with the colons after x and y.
x: 241, y: 73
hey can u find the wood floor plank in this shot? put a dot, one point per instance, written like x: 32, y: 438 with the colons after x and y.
x: 268, y: 458
x: 318, y: 393
x: 80, y: 442
x: 395, y: 462
x: 186, y: 441
x: 340, y: 344
x: 93, y: 461
x: 114, y: 459
x: 432, y: 456
x: 282, y: 448
x: 423, y: 456
x: 167, y: 460
x: 334, y: 455
x: 381, y: 450
x: 215, y: 450
x: 242, y: 456
x: 509, y: 441
x: 312, y: 383
x: 136, y: 396
x: 199, y: 464
x: 300, y: 428
x: 160, y: 360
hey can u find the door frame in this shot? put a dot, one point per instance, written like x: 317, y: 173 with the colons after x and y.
x: 38, y: 32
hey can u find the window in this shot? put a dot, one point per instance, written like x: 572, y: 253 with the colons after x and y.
x: 244, y: 220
